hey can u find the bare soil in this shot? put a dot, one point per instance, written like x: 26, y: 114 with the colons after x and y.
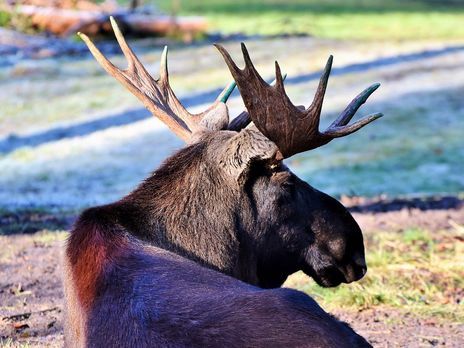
x: 31, y: 294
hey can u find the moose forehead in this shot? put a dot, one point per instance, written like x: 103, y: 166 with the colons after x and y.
x: 253, y: 155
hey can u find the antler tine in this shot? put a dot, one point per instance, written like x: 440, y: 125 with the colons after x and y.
x: 278, y: 81
x: 157, y: 95
x: 246, y: 57
x: 190, y: 120
x: 239, y: 122
x: 126, y: 50
x: 250, y: 68
x: 164, y: 74
x: 99, y: 57
x: 355, y: 104
x: 226, y: 92
x: 314, y: 110
x: 293, y: 129
x: 341, y: 131
x: 135, y: 67
x: 234, y: 69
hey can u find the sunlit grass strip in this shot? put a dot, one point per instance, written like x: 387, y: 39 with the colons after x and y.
x: 417, y: 271
x: 337, y: 19
x: 385, y: 26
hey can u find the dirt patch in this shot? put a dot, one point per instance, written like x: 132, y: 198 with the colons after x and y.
x: 30, y: 288
x: 31, y: 295
x: 393, y: 328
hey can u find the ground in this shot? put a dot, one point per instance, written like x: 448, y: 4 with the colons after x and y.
x: 31, y: 295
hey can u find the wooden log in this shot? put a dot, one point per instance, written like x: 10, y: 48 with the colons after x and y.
x: 65, y: 22
x: 55, y: 20
x: 86, y: 5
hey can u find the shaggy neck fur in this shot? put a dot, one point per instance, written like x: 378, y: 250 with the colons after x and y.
x: 187, y: 207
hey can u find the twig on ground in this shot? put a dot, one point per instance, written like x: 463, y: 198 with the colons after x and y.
x: 26, y: 315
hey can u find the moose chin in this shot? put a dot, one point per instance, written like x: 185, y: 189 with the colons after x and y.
x: 194, y: 256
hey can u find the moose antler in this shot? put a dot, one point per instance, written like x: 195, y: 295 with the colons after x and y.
x: 157, y: 95
x: 293, y: 129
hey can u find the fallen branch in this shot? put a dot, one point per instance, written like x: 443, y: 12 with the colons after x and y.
x: 26, y: 315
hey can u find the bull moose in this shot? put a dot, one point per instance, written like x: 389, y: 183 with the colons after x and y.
x: 190, y: 256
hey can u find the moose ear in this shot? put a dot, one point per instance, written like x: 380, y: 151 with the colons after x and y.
x: 216, y: 118
x: 242, y: 149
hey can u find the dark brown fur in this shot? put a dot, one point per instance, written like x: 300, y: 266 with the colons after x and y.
x: 240, y: 214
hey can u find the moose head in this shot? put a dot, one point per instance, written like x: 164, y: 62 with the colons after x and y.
x: 227, y: 200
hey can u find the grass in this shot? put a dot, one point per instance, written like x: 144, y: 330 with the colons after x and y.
x: 5, y: 18
x: 10, y: 343
x: 415, y: 149
x: 398, y: 164
x: 16, y: 21
x: 334, y: 19
x: 415, y: 271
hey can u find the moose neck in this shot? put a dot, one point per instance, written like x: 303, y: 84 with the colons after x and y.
x: 184, y: 208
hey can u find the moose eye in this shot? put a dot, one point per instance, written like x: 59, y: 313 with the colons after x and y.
x: 276, y: 167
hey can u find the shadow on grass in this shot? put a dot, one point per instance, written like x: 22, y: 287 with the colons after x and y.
x: 421, y: 203
x: 27, y: 221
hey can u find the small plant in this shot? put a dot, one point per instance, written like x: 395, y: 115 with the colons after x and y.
x: 5, y: 18
x: 16, y: 21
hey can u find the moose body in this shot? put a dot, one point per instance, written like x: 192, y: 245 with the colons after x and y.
x: 153, y: 268
x: 138, y: 295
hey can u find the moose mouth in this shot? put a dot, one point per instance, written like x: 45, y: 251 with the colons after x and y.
x: 328, y: 277
x: 332, y: 276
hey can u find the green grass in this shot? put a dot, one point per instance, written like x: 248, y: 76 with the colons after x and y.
x: 335, y: 19
x: 16, y: 21
x: 416, y: 271
x: 5, y: 18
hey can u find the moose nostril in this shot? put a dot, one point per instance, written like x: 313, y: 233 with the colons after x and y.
x: 360, y: 265
x: 359, y: 271
x: 363, y: 270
